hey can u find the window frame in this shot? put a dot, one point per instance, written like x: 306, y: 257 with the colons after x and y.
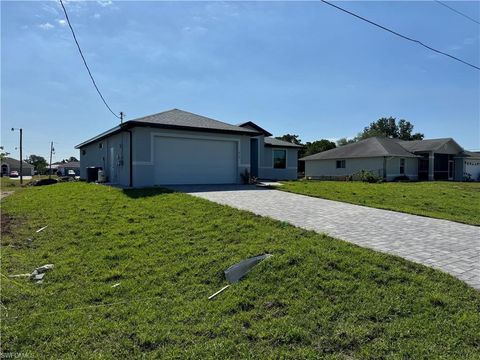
x: 273, y: 158
x: 342, y: 163
x: 402, y: 166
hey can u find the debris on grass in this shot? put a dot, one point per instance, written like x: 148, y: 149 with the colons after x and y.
x: 115, y: 285
x: 218, y: 292
x: 37, y: 274
x: 43, y: 182
x: 41, y: 229
x: 19, y: 275
x: 237, y: 271
x: 45, y: 268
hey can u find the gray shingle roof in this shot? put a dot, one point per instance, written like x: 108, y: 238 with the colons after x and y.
x: 425, y: 145
x: 15, y: 163
x: 269, y: 141
x: 371, y: 147
x: 471, y: 154
x: 185, y: 119
x: 175, y: 119
x: 252, y: 125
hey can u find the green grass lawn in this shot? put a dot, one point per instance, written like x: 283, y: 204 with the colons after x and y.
x: 444, y: 200
x: 317, y: 297
x: 8, y: 184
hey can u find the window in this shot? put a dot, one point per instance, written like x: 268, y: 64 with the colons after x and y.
x: 402, y: 166
x: 279, y: 159
x: 84, y: 152
x: 340, y: 164
x: 100, y: 145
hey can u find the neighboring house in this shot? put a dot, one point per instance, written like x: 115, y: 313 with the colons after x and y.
x: 178, y: 147
x: 9, y: 164
x: 63, y: 168
x: 434, y: 159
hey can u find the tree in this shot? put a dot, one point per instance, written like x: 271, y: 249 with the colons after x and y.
x: 38, y: 162
x: 318, y: 146
x: 70, y: 159
x: 3, y: 154
x: 345, y: 141
x: 385, y: 127
x: 388, y: 127
x: 294, y: 139
x: 405, y: 129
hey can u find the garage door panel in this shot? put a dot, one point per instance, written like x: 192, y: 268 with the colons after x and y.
x: 194, y: 161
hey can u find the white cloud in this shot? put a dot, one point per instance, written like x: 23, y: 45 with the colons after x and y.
x: 62, y: 22
x: 97, y: 16
x: 105, y: 3
x: 46, y: 26
x: 469, y: 41
x: 454, y: 47
x: 197, y: 30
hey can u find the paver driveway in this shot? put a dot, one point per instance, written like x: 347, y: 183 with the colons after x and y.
x: 445, y: 245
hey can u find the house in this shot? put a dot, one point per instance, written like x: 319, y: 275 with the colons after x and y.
x: 433, y: 159
x: 9, y: 164
x: 471, y: 165
x: 63, y: 168
x: 179, y: 147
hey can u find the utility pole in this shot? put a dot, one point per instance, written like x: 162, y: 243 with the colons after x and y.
x: 21, y: 156
x: 51, y: 151
x: 122, y: 115
x: 21, y: 153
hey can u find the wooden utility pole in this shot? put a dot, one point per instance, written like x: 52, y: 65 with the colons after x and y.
x: 21, y: 156
x: 122, y: 115
x: 21, y: 153
x: 51, y: 151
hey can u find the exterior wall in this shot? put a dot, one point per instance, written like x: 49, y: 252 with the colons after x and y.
x: 327, y: 168
x: 111, y: 154
x: 143, y: 162
x: 265, y: 163
x: 472, y: 167
x: 393, y: 168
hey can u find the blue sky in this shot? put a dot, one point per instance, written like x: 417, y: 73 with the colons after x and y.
x: 292, y: 67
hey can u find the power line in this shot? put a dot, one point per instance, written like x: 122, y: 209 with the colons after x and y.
x: 85, y: 62
x: 400, y: 35
x: 458, y: 12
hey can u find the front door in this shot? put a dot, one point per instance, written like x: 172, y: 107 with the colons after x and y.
x: 451, y: 169
x: 254, y: 157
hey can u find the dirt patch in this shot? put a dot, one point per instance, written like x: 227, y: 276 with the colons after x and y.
x: 7, y: 222
x: 4, y: 194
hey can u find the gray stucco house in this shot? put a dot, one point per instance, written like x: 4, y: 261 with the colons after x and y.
x: 433, y: 159
x: 9, y: 164
x: 179, y: 147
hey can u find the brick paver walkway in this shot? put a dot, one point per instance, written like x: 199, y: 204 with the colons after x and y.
x: 445, y: 245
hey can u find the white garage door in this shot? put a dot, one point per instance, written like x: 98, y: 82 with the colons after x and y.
x: 194, y: 161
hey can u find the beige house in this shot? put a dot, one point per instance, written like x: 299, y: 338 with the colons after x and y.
x: 390, y: 159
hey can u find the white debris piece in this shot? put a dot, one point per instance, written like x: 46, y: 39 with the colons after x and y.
x: 19, y: 275
x: 41, y: 229
x: 44, y: 268
x: 37, y: 276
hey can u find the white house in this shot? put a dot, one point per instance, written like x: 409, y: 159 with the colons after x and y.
x: 178, y: 147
